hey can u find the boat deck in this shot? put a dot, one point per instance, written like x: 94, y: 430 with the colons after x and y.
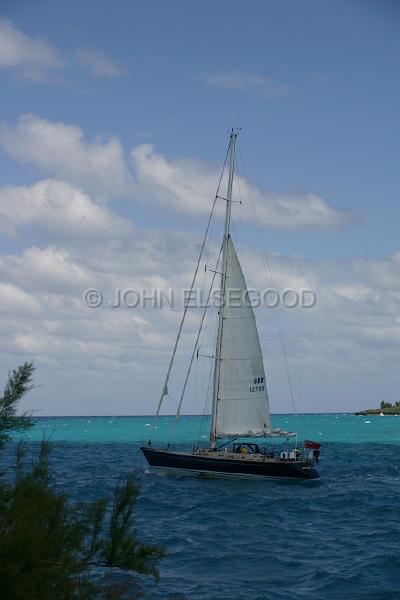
x: 246, y: 457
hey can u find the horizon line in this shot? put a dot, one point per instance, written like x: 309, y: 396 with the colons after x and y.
x: 340, y: 412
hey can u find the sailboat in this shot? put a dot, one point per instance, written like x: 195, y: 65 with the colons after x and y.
x: 240, y: 415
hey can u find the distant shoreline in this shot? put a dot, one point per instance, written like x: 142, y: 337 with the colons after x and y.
x: 393, y: 410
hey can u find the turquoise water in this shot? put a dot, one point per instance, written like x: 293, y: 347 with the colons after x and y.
x: 320, y: 427
x: 238, y: 539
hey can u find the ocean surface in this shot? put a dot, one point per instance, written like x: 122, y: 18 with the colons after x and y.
x: 239, y: 539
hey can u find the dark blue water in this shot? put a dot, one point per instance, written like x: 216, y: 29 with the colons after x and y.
x: 260, y: 540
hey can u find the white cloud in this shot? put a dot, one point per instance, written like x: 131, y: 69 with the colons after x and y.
x: 354, y: 325
x: 61, y: 150
x: 297, y: 211
x: 188, y: 187
x: 32, y: 57
x: 245, y: 81
x: 355, y: 320
x: 59, y: 210
x: 15, y: 301
x: 385, y: 273
x: 42, y: 293
x: 36, y: 59
x: 99, y: 63
x: 45, y: 270
x: 185, y: 186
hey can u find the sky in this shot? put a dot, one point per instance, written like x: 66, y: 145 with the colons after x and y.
x: 113, y: 132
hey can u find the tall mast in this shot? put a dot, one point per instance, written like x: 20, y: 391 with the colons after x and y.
x: 217, y: 367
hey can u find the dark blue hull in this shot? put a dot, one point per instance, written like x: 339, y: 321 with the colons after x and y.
x: 300, y: 469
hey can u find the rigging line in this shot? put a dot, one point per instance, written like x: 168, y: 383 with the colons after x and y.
x: 299, y: 396
x: 165, y: 386
x: 207, y: 403
x: 198, y: 335
x: 178, y: 414
x: 197, y: 355
x: 195, y: 379
x: 239, y: 228
x: 264, y: 256
x: 207, y: 388
x: 206, y: 377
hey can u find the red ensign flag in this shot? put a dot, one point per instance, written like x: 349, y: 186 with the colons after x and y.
x: 312, y: 445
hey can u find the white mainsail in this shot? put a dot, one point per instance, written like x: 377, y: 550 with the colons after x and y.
x: 242, y: 402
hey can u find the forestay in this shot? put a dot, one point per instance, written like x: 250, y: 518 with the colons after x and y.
x: 242, y: 405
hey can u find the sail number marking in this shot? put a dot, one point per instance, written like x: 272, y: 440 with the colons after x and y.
x: 257, y: 385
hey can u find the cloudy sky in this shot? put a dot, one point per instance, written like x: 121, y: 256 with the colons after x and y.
x: 113, y: 128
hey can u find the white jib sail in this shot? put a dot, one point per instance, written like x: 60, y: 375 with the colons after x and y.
x: 242, y: 406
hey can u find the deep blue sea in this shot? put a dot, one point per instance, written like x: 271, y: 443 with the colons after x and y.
x: 244, y: 539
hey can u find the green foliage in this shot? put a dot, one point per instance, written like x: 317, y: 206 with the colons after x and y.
x: 122, y: 548
x: 49, y: 547
x: 387, y: 405
x: 53, y: 549
x: 18, y: 384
